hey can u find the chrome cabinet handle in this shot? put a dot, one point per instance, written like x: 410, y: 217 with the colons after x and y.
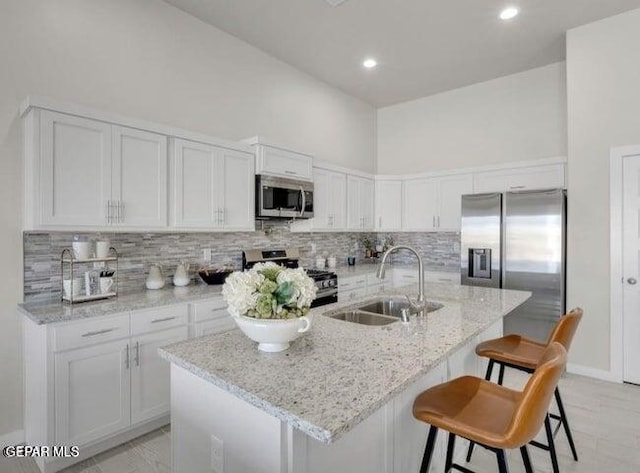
x: 108, y: 212
x: 517, y: 187
x: 120, y: 211
x: 222, y: 216
x: 433, y: 221
x: 291, y: 172
x: 126, y: 361
x: 166, y: 319
x: 137, y: 353
x: 438, y: 221
x: 98, y: 332
x: 632, y: 281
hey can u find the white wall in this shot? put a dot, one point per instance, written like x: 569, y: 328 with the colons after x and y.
x: 603, y: 80
x: 146, y: 59
x: 514, y: 118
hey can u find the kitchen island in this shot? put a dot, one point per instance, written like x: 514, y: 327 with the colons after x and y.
x: 338, y: 400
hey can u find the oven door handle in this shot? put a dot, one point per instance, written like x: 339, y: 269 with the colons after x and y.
x: 328, y: 293
x: 304, y: 201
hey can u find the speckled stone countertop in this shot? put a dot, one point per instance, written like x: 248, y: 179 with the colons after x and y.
x: 57, y: 311
x: 339, y: 373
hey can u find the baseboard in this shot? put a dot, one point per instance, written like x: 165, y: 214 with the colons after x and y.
x: 12, y: 438
x: 603, y: 375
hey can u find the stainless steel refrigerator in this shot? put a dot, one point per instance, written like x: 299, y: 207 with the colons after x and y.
x: 517, y: 240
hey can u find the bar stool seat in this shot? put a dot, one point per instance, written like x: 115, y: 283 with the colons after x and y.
x: 490, y: 415
x: 512, y: 349
x: 515, y: 351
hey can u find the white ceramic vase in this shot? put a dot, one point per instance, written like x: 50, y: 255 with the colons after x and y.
x: 273, y: 335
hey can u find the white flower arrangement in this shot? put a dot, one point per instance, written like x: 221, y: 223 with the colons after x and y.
x: 269, y: 291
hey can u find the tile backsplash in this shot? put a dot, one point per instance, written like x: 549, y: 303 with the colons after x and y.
x: 42, y: 272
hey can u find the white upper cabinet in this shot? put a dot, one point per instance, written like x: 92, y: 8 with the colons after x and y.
x: 434, y: 204
x: 275, y: 161
x: 96, y: 174
x: 329, y: 200
x: 420, y: 204
x: 547, y: 176
x: 450, y: 192
x: 360, y: 203
x: 388, y: 197
x: 75, y: 171
x: 139, y: 183
x: 213, y: 187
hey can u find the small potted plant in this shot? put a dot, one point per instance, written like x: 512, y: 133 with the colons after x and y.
x: 367, y: 245
x: 270, y: 303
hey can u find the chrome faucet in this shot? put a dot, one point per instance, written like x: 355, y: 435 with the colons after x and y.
x: 420, y: 303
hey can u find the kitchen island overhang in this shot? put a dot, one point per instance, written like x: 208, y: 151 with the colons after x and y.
x: 336, y: 377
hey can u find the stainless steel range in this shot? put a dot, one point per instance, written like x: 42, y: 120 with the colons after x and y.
x: 326, y: 281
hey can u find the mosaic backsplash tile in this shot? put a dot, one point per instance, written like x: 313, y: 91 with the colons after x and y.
x: 42, y: 272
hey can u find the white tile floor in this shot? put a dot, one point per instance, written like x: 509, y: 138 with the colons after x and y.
x: 604, y: 418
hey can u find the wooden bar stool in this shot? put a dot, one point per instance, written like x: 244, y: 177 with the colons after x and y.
x: 517, y: 352
x: 490, y: 415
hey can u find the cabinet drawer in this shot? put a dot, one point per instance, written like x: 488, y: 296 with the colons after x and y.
x: 218, y: 325
x: 348, y: 284
x: 90, y: 332
x: 209, y: 309
x: 159, y: 318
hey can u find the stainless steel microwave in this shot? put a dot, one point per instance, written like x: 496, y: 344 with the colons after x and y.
x: 277, y: 197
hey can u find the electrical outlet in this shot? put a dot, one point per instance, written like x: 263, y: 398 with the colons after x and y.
x: 206, y: 254
x: 217, y: 455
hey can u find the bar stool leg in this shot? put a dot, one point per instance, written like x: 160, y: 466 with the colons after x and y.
x: 565, y: 424
x: 450, y: 448
x: 428, y: 450
x: 502, y: 462
x: 501, y: 374
x: 526, y: 459
x: 552, y: 445
x: 487, y: 376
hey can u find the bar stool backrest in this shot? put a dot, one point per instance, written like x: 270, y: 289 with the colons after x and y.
x: 566, y: 328
x: 536, y: 396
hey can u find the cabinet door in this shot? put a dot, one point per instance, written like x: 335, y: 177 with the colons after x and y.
x: 354, y: 213
x: 420, y: 204
x: 388, y: 197
x: 236, y: 180
x: 284, y: 163
x: 150, y: 374
x: 321, y: 199
x: 91, y: 392
x: 194, y: 190
x: 548, y: 176
x: 75, y: 170
x: 338, y: 200
x: 452, y: 188
x: 366, y: 203
x: 359, y: 203
x: 139, y: 179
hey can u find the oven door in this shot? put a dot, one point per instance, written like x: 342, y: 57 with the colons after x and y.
x: 283, y: 198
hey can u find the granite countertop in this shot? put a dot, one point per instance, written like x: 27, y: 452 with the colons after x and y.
x: 339, y: 373
x: 53, y: 310
x: 56, y: 311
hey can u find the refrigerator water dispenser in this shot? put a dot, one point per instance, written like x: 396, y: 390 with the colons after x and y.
x: 480, y: 263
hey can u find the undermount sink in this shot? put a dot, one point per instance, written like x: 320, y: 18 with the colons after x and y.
x: 379, y: 311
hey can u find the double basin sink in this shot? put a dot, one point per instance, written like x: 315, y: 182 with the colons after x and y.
x: 379, y: 311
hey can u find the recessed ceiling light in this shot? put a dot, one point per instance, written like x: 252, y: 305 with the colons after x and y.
x: 509, y: 13
x: 370, y: 63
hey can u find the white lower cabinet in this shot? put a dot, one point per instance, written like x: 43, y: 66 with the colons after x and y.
x: 92, y: 392
x: 209, y: 316
x: 98, y: 382
x: 150, y: 382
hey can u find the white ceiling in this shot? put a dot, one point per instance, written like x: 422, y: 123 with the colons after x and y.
x: 422, y: 46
